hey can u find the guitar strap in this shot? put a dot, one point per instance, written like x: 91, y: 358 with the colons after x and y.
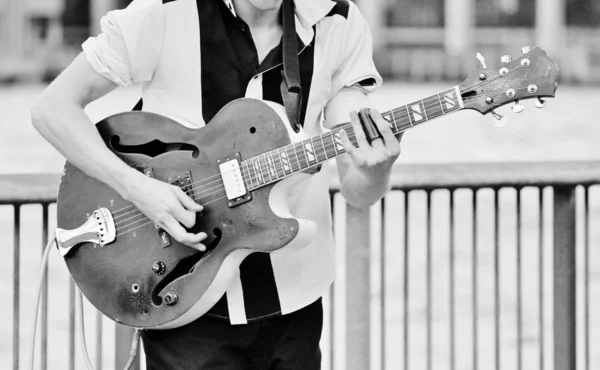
x: 291, y: 91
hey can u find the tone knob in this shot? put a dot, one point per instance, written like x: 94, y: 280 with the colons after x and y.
x: 506, y: 58
x: 526, y: 49
x: 170, y: 298
x: 159, y: 267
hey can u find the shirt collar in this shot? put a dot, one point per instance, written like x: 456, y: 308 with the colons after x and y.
x: 308, y: 13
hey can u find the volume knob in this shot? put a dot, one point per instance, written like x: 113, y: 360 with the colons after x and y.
x: 159, y: 267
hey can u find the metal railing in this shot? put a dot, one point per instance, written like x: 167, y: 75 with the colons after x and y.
x: 466, y: 266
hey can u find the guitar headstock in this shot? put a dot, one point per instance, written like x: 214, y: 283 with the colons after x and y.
x: 531, y: 76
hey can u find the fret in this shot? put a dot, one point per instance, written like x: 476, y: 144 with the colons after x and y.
x: 337, y: 142
x: 330, y: 145
x: 441, y: 105
x: 285, y: 161
x: 424, y: 109
x: 321, y: 156
x: 434, y: 110
x: 278, y: 156
x: 450, y: 102
x: 309, y: 151
x: 259, y: 177
x: 271, y: 164
x: 324, y: 147
x: 263, y: 168
x: 293, y: 157
x: 408, y: 113
x: 302, y: 160
x: 417, y: 112
x: 246, y: 174
x: 390, y: 116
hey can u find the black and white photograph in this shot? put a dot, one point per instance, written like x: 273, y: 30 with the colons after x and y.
x: 299, y: 184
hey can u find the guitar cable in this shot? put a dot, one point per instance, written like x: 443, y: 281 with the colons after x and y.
x: 135, y: 340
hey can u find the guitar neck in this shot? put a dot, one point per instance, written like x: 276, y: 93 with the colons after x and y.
x: 285, y: 161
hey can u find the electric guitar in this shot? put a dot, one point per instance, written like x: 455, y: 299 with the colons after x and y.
x: 237, y: 167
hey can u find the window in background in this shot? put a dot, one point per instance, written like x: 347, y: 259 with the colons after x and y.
x: 505, y: 13
x: 583, y: 13
x: 415, y: 13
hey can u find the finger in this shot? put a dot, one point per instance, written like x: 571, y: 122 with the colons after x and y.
x: 384, y: 129
x: 185, y: 217
x: 361, y: 138
x: 348, y: 146
x: 178, y: 232
x: 186, y: 201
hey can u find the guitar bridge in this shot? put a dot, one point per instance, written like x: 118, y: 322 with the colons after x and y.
x: 99, y: 229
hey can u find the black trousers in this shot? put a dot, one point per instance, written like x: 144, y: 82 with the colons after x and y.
x: 289, y: 342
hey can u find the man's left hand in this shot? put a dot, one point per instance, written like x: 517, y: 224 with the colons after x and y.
x: 374, y: 160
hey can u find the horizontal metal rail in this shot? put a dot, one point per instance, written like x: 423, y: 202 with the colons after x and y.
x: 42, y: 188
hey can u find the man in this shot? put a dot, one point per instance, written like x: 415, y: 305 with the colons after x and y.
x: 191, y: 57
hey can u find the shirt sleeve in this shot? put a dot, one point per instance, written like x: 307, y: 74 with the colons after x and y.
x: 128, y: 49
x: 356, y: 69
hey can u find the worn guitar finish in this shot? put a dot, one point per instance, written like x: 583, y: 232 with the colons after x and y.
x: 118, y: 278
x: 138, y: 276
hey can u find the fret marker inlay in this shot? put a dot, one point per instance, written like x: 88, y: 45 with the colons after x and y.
x: 417, y: 113
x: 309, y: 152
x: 338, y: 142
x: 450, y: 101
x: 285, y: 161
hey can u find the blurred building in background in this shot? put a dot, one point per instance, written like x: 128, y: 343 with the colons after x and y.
x: 417, y: 40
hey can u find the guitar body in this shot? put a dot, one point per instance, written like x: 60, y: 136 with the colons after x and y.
x: 128, y: 279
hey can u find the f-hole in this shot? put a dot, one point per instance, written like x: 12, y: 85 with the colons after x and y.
x: 152, y: 148
x: 185, y: 266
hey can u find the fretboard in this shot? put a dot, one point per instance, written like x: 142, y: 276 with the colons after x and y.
x: 282, y: 162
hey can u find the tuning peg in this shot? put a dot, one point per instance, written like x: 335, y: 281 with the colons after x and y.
x: 506, y: 59
x: 526, y: 49
x: 500, y: 120
x: 539, y: 103
x: 481, y: 59
x: 518, y: 107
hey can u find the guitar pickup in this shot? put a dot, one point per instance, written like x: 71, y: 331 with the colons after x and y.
x: 233, y: 180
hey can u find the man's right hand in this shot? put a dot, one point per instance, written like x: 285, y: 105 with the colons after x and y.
x: 168, y: 207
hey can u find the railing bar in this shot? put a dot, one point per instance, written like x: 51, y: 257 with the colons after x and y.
x: 541, y: 276
x: 382, y: 277
x: 332, y: 296
x: 586, y: 277
x: 98, y: 340
x: 429, y: 294
x: 519, y: 287
x: 497, y: 278
x: 71, y: 325
x: 474, y: 266
x: 44, y: 318
x: 452, y: 288
x: 16, y: 283
x: 406, y: 275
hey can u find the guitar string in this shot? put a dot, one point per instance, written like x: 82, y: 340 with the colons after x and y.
x: 323, y: 137
x: 393, y: 111
x: 121, y: 233
x: 327, y: 142
x: 277, y: 168
x: 429, y: 100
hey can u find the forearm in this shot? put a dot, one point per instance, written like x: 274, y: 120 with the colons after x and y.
x: 361, y: 191
x: 65, y: 126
